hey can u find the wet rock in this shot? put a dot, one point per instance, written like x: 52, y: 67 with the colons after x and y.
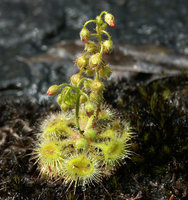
x: 138, y: 22
x: 23, y: 21
x: 125, y: 61
x: 24, y: 25
x: 35, y: 74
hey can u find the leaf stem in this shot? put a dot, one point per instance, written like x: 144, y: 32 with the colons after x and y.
x: 105, y: 32
x: 102, y: 13
x: 80, y: 82
x: 90, y: 21
x: 77, y: 112
x: 68, y: 85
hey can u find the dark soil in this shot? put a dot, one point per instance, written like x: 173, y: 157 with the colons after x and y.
x: 158, y: 113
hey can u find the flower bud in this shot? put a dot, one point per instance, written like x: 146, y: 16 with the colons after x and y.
x: 83, y: 99
x: 81, y: 62
x: 90, y: 108
x: 99, y: 20
x: 64, y: 106
x: 97, y: 85
x: 81, y: 143
x: 59, y: 99
x: 90, y: 47
x: 91, y: 133
x: 84, y: 35
x: 103, y: 26
x: 109, y: 19
x: 89, y: 72
x: 87, y: 85
x: 95, y: 97
x: 105, y: 71
x: 76, y: 78
x: 95, y: 60
x: 107, y: 46
x: 70, y: 99
x: 53, y: 90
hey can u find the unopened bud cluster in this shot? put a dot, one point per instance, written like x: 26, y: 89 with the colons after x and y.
x: 92, y: 62
x: 86, y: 140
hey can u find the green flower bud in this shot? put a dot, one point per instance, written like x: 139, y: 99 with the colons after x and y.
x: 107, y: 46
x: 105, y: 71
x: 76, y: 78
x: 99, y: 20
x: 84, y: 35
x: 53, y: 90
x: 109, y: 19
x: 91, y: 133
x: 90, y: 47
x: 103, y: 26
x: 81, y: 62
x: 83, y: 99
x: 59, y: 99
x: 97, y: 85
x: 95, y: 60
x: 89, y: 72
x: 64, y: 106
x: 87, y: 85
x: 97, y: 98
x: 70, y: 99
x: 81, y: 143
x: 90, y: 108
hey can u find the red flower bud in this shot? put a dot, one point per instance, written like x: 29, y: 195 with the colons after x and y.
x: 84, y: 40
x: 112, y: 23
x: 109, y: 19
x: 53, y: 90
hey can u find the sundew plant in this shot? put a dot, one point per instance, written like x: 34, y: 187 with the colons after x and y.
x: 87, y: 140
